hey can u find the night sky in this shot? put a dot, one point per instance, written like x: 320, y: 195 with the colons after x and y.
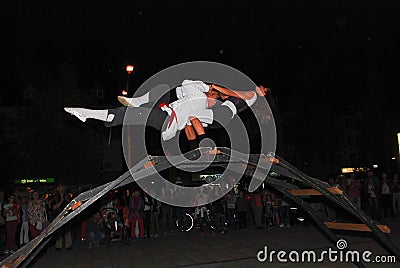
x: 308, y: 52
x: 284, y: 44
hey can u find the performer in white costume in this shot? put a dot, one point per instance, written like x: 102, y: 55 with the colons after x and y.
x: 195, y: 98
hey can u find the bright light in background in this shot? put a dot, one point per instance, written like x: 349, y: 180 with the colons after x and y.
x: 129, y: 68
x: 375, y: 166
x: 398, y: 141
x: 393, y: 158
x: 348, y: 170
x: 124, y: 92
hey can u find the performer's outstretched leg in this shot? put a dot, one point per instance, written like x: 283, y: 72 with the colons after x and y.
x: 156, y: 94
x: 142, y: 116
x: 134, y: 102
x: 83, y: 114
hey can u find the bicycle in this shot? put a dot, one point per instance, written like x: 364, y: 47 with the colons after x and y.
x: 191, y: 220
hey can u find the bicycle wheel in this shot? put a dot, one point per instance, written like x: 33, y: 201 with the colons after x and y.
x: 189, y: 222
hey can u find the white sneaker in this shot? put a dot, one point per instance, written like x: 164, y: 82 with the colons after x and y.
x: 134, y: 102
x: 78, y: 112
x: 128, y: 102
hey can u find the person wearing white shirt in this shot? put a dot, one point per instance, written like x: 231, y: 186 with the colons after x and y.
x: 194, y: 101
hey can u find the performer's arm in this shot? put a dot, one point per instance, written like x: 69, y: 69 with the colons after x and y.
x: 262, y: 91
x: 245, y: 95
x: 249, y: 97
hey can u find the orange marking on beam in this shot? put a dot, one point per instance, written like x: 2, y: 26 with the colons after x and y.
x: 355, y: 227
x: 76, y: 205
x: 300, y: 192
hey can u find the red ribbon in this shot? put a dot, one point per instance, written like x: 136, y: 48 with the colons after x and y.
x: 173, y: 114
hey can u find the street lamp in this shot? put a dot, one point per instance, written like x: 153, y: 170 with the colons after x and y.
x: 129, y: 70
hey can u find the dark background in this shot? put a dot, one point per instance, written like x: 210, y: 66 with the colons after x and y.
x: 321, y: 59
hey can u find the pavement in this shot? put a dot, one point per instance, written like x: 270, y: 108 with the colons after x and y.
x: 232, y: 249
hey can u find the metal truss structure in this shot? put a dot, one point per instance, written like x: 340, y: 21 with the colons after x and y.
x: 288, y: 180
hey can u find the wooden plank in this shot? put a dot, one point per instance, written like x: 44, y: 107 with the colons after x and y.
x: 215, y: 151
x: 355, y: 227
x: 272, y: 159
x: 300, y: 192
x: 149, y: 164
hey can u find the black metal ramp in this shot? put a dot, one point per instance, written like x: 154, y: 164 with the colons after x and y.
x: 257, y: 166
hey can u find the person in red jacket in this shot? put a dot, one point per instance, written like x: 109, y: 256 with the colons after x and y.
x: 257, y: 208
x: 354, y: 190
x: 136, y: 206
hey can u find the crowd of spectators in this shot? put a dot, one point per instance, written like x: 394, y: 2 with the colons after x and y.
x: 378, y: 196
x: 24, y: 215
x: 129, y: 213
